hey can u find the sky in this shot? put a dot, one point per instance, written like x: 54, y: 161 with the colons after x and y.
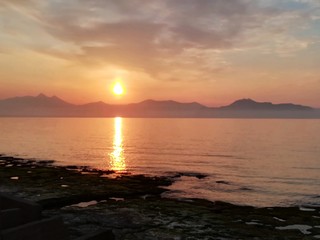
x: 209, y: 51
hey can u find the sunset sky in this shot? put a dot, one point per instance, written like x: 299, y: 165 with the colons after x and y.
x: 209, y: 51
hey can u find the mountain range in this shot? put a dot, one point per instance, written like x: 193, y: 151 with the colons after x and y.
x: 44, y: 106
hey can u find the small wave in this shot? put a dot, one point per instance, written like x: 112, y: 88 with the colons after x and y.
x: 185, y: 154
x: 307, y: 168
x: 222, y: 156
x: 223, y: 182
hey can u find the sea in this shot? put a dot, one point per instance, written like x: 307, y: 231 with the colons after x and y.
x: 256, y: 162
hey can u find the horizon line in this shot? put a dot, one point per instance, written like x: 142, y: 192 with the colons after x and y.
x: 155, y: 100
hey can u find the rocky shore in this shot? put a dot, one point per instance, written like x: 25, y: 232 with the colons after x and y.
x: 131, y: 206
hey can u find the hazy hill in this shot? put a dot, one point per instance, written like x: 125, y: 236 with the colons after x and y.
x: 43, y: 106
x: 39, y: 101
x: 40, y: 105
x: 249, y: 104
x: 167, y: 105
x: 152, y: 108
x: 248, y: 108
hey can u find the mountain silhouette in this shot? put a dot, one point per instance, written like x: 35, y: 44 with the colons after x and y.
x: 40, y: 105
x: 249, y: 104
x: 44, y: 106
x: 169, y: 104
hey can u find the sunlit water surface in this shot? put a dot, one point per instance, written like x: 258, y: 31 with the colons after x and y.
x: 248, y: 161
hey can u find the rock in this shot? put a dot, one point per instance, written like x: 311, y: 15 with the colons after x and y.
x: 152, y: 217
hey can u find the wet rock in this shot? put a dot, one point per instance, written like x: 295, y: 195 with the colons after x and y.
x: 190, y: 174
x: 152, y: 217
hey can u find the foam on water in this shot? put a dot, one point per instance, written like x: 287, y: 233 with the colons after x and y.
x: 302, y: 228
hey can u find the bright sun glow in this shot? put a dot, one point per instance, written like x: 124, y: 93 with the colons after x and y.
x: 118, y: 89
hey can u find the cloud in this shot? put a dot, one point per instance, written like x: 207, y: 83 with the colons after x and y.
x: 16, y: 2
x: 166, y: 38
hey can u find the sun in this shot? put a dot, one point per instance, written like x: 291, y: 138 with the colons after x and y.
x: 118, y: 89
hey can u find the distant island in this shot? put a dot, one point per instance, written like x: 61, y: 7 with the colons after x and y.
x: 44, y: 106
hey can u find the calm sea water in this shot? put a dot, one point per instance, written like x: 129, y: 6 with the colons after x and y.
x: 248, y: 161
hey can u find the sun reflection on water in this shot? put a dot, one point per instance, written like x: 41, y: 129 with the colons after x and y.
x: 117, y: 159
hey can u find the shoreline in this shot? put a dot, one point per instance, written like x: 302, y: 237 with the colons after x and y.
x: 133, y: 208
